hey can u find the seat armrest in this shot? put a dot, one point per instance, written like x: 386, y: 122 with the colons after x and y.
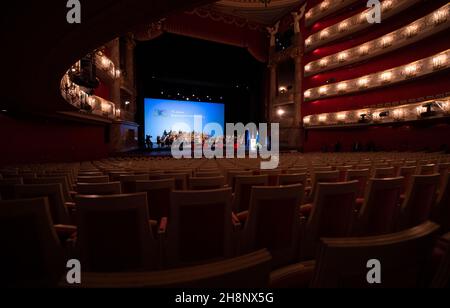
x: 162, y: 229
x: 70, y: 205
x: 236, y: 222
x: 294, y: 276
x: 65, y: 230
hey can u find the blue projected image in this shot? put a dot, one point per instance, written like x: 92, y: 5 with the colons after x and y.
x: 165, y: 118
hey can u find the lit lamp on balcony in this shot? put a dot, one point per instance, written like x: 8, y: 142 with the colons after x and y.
x: 280, y: 112
x: 342, y: 87
x: 411, y: 30
x: 323, y: 118
x: 323, y: 90
x: 309, y: 14
x: 387, y: 41
x: 439, y: 61
x: 342, y: 57
x: 323, y: 63
x: 324, y: 6
x: 282, y: 90
x: 398, y: 114
x: 386, y: 77
x: 440, y: 16
x: 308, y: 67
x: 324, y: 34
x: 307, y: 94
x: 387, y: 5
x: 117, y: 73
x: 341, y: 117
x: 363, y: 83
x: 362, y: 18
x: 343, y: 26
x: 307, y: 120
x: 363, y: 50
x: 410, y: 71
x: 118, y: 113
x: 308, y: 42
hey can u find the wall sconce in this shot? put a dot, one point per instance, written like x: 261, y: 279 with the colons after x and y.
x: 363, y: 50
x: 306, y: 120
x: 307, y: 94
x: 324, y: 6
x: 323, y: 63
x: 343, y: 26
x: 440, y: 16
x: 411, y: 30
x: 282, y: 90
x: 280, y: 112
x: 117, y: 73
x: 363, y: 83
x: 308, y: 41
x: 386, y: 77
x: 439, y: 61
x: 410, y: 71
x: 342, y: 56
x: 342, y: 87
x: 386, y: 41
x: 323, y: 90
x: 387, y: 5
x: 308, y: 67
x: 323, y: 118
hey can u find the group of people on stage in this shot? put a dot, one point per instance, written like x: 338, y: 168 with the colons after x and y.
x: 167, y: 138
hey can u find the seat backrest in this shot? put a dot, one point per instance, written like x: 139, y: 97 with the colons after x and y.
x: 31, y: 253
x: 7, y: 188
x: 382, y: 173
x: 441, y: 212
x: 247, y: 271
x: 243, y: 190
x: 232, y: 174
x: 205, y: 183
x: 404, y: 256
x: 297, y: 170
x: 268, y: 207
x: 208, y: 174
x: 90, y: 174
x: 407, y: 173
x: 444, y: 169
x: 200, y: 226
x: 293, y: 178
x: 54, y: 180
x: 378, y: 215
x: 332, y: 213
x: 181, y: 179
x: 114, y: 233
x: 323, y: 177
x: 419, y: 199
x: 112, y: 188
x: 93, y: 179
x: 272, y: 176
x: 343, y: 172
x: 158, y: 196
x: 427, y: 169
x: 54, y: 194
x: 362, y: 176
x: 127, y: 181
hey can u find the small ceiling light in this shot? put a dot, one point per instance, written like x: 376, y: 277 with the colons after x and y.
x: 127, y: 103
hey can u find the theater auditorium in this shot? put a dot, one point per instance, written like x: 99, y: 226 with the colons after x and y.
x: 238, y: 144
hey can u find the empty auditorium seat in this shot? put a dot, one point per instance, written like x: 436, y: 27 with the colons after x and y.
x: 362, y: 176
x: 31, y: 253
x: 404, y: 256
x: 158, y: 196
x: 205, y: 183
x: 181, y: 179
x: 7, y: 188
x: 382, y: 173
x: 419, y: 199
x: 248, y: 271
x: 200, y: 227
x: 332, y: 214
x: 93, y: 179
x: 243, y: 190
x: 274, y: 222
x: 127, y: 181
x: 114, y: 233
x: 380, y: 211
x: 111, y: 188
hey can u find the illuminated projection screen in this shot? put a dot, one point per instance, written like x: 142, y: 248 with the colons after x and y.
x: 163, y: 117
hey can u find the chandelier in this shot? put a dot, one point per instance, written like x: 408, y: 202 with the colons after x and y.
x: 266, y: 2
